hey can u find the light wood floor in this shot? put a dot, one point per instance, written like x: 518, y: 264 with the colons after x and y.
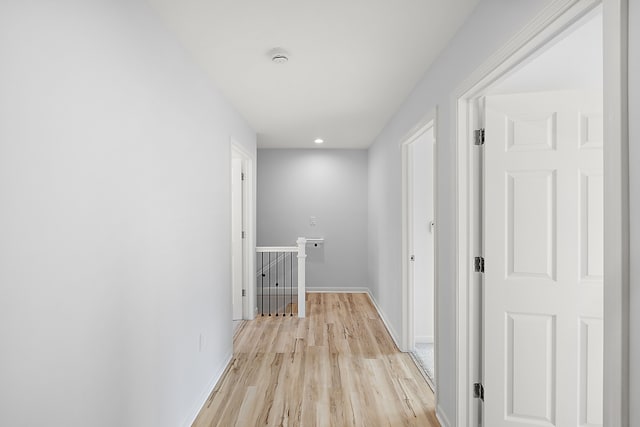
x: 337, y: 367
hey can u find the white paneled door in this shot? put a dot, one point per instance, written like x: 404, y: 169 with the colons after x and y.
x: 543, y: 249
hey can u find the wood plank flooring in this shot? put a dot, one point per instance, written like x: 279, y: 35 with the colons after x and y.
x: 337, y: 367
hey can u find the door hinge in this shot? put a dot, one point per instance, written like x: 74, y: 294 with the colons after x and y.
x: 478, y: 391
x: 244, y: 235
x: 244, y: 292
x: 478, y: 264
x: 242, y: 176
x: 412, y: 258
x: 478, y: 137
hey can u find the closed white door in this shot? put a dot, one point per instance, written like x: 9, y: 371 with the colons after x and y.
x: 543, y: 248
x: 236, y: 237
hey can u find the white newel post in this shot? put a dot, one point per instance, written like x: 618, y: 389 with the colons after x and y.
x: 302, y: 255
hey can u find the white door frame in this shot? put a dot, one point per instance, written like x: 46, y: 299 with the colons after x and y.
x: 237, y: 240
x: 554, y: 19
x: 249, y: 221
x: 429, y: 121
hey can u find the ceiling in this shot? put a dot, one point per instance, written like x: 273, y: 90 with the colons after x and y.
x: 573, y: 61
x: 351, y: 62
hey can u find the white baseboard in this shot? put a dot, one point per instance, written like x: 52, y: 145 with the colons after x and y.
x: 424, y: 339
x: 442, y: 418
x: 338, y: 289
x: 392, y: 332
x: 207, y: 392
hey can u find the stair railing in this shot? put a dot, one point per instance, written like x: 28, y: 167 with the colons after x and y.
x: 279, y: 266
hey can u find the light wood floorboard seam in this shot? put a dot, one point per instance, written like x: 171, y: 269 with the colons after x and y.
x: 336, y: 367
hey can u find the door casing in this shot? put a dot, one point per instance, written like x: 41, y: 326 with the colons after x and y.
x: 554, y: 19
x: 249, y: 221
x: 429, y: 121
x: 237, y: 230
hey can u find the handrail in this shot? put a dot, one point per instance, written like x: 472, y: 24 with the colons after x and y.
x: 315, y: 239
x: 276, y: 249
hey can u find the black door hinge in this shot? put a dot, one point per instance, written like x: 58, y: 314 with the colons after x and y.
x: 478, y: 264
x: 478, y: 391
x: 478, y: 137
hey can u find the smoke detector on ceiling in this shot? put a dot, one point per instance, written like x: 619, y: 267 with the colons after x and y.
x: 279, y: 56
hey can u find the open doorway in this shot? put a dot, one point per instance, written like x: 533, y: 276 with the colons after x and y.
x: 418, y: 152
x: 532, y: 229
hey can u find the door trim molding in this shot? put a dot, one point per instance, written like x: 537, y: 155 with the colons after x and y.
x: 428, y: 121
x: 249, y: 220
x: 616, y: 214
x: 555, y: 18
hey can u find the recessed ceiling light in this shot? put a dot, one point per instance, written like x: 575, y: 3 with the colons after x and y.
x: 319, y: 141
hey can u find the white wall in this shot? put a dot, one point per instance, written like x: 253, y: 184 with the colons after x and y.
x: 114, y: 226
x: 331, y: 185
x: 423, y: 266
x: 473, y: 44
x: 634, y: 162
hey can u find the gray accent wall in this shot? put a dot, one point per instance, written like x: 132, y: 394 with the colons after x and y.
x: 329, y: 185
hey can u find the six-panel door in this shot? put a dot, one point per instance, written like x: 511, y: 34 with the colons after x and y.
x: 543, y: 248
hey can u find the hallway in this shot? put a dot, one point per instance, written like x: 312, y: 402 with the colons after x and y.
x: 337, y: 367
